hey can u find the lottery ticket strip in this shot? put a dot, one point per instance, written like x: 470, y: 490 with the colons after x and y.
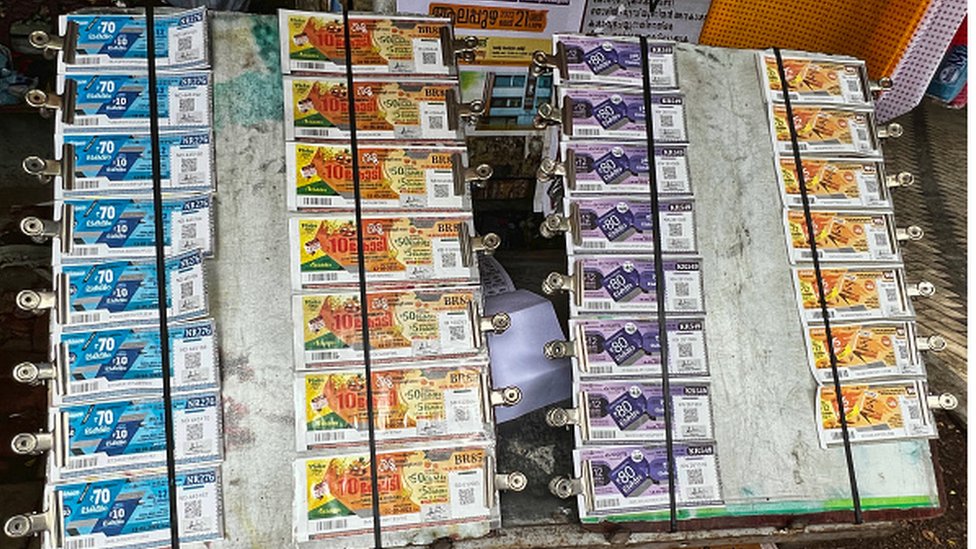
x: 773, y: 472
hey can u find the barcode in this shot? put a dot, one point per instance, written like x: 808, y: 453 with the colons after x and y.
x: 669, y: 172
x: 690, y: 415
x: 307, y: 64
x: 602, y: 435
x: 442, y: 191
x: 188, y: 231
x: 449, y: 260
x: 436, y: 122
x: 313, y: 132
x: 466, y: 496
x: 316, y: 201
x: 696, y: 476
x: 87, y: 60
x: 187, y: 104
x: 184, y: 43
x: 600, y: 369
x: 321, y: 277
x: 586, y: 132
x: 685, y: 350
x: 903, y: 352
x: 83, y: 387
x: 329, y: 525
x: 315, y: 356
x: 193, y: 509
x: 598, y: 305
x: 81, y: 463
x: 682, y: 289
x: 79, y: 543
x: 328, y: 436
x: 85, y: 184
x: 579, y: 76
x: 667, y: 120
x: 85, y: 318
x: 84, y: 251
x: 194, y: 432
x: 191, y: 361
x: 593, y: 244
x: 188, y: 164
x: 429, y: 58
x: 85, y: 121
x: 676, y: 229
x: 606, y: 503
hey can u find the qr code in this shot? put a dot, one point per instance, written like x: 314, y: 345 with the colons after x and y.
x: 881, y: 240
x: 449, y: 261
x: 193, y: 509
x: 457, y: 333
x: 429, y: 58
x: 188, y: 231
x: 186, y: 289
x: 462, y: 414
x: 696, y: 476
x: 466, y: 496
x: 667, y: 120
x: 690, y: 415
x: 188, y: 104
x: 188, y: 164
x: 685, y: 350
x: 669, y: 172
x: 682, y: 289
x: 442, y: 191
x: 194, y: 432
x: 436, y: 122
x: 676, y: 229
x: 184, y: 43
x: 657, y: 69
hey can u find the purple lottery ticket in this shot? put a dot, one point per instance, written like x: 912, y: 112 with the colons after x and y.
x: 606, y: 167
x: 632, y: 347
x: 622, y: 284
x: 630, y: 478
x: 618, y: 411
x: 615, y: 61
x: 621, y: 224
x: 620, y: 114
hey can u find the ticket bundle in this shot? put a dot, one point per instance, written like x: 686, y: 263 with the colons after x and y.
x: 612, y: 61
x: 620, y: 284
x: 834, y: 183
x: 842, y: 237
x: 853, y: 293
x: 404, y: 324
x: 826, y: 130
x: 420, y: 403
x: 631, y: 347
x: 633, y: 411
x: 391, y: 176
x: 315, y: 42
x: 816, y: 79
x: 868, y: 350
x: 621, y: 224
x: 606, y: 167
x: 607, y: 114
x: 875, y: 411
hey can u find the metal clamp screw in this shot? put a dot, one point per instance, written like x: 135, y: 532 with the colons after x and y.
x: 945, y: 401
x: 33, y: 374
x: 564, y: 487
x: 562, y: 417
x: 934, y: 343
x: 558, y: 349
x: 554, y: 225
x: 507, y: 396
x: 36, y: 301
x: 893, y: 130
x: 496, y: 323
x: 882, y: 84
x: 548, y: 115
x: 21, y: 526
x: 923, y: 289
x: 515, y: 481
x: 911, y: 232
x: 902, y: 179
x: 556, y: 282
x: 40, y: 230
x: 32, y: 444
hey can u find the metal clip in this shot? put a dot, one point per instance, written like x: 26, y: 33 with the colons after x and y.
x: 21, y: 526
x: 32, y: 444
x: 565, y: 487
x: 945, y: 401
x: 555, y: 224
x: 34, y: 301
x: 477, y: 176
x: 457, y: 48
x: 49, y: 102
x: 882, y: 84
x: 46, y: 170
x: 547, y: 115
x: 471, y: 245
x: 563, y: 417
x: 459, y: 113
x: 542, y: 61
x: 921, y: 289
x: 50, y: 45
x: 508, y: 396
x: 496, y: 324
x: 515, y: 481
x: 894, y: 130
x: 559, y: 349
x: 550, y: 168
x: 40, y: 230
x: 911, y: 232
x: 902, y: 179
x: 557, y: 282
x: 31, y: 373
x: 934, y: 343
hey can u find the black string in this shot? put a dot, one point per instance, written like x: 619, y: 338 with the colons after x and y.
x: 363, y: 303
x: 161, y: 277
x: 811, y: 236
x: 659, y: 286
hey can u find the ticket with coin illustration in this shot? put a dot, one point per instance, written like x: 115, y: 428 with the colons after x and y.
x: 625, y: 224
x: 614, y: 61
x: 816, y: 78
x: 633, y: 411
x: 620, y: 114
x: 631, y: 346
x: 834, y: 183
x: 623, y: 284
x: 852, y: 293
x: 605, y: 167
x: 826, y: 130
x: 868, y: 350
x: 841, y: 236
x: 877, y: 411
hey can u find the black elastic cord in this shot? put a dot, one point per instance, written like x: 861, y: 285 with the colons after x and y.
x: 659, y: 286
x: 363, y: 303
x: 161, y: 294
x: 811, y: 236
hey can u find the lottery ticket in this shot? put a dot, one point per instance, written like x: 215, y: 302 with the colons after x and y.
x: 419, y: 248
x: 619, y: 411
x: 608, y: 114
x: 320, y: 177
x: 621, y: 284
x: 617, y: 60
x: 386, y: 108
x: 870, y: 350
x: 603, y: 167
x: 117, y: 292
x: 625, y: 479
x: 112, y: 41
x: 816, y: 79
x: 114, y: 164
x: 632, y: 347
x: 124, y: 228
x: 622, y: 224
x: 826, y: 130
x: 834, y: 183
x: 123, y: 362
x: 315, y: 42
x: 404, y: 324
x: 427, y: 487
x: 117, y: 102
x: 417, y: 403
x: 127, y: 435
x: 876, y: 411
x: 133, y: 511
x: 853, y: 293
x: 841, y: 237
